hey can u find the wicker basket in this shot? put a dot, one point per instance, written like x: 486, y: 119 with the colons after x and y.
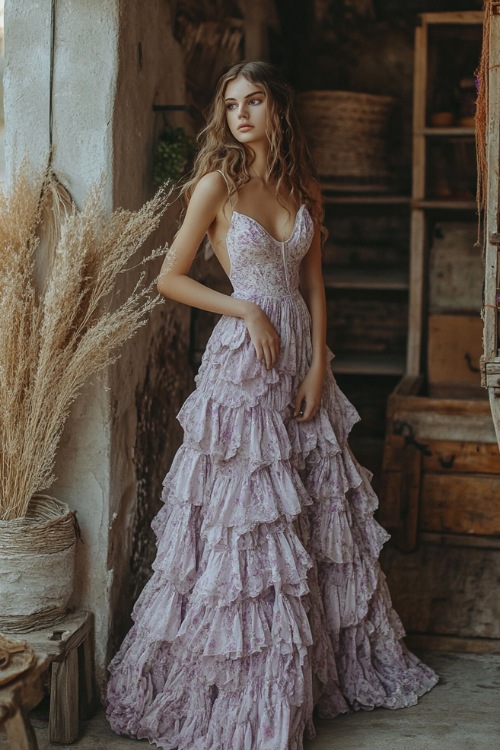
x: 37, y: 555
x: 347, y: 136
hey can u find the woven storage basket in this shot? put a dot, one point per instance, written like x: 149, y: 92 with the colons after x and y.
x: 37, y: 554
x: 347, y: 136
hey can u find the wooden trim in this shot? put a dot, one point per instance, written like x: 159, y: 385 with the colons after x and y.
x: 452, y: 643
x: 364, y: 200
x: 460, y: 540
x: 493, y: 197
x: 416, y: 295
x: 369, y: 364
x: 410, y: 385
x: 453, y: 17
x: 393, y: 279
x: 439, y: 132
x: 448, y: 205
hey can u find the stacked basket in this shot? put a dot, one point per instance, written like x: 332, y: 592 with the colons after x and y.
x: 37, y: 558
x: 347, y: 133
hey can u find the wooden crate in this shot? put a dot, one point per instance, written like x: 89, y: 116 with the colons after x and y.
x: 441, y: 469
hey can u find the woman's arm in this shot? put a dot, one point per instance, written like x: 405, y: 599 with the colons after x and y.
x: 313, y: 290
x: 207, y: 202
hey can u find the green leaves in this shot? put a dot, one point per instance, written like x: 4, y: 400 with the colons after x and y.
x: 173, y: 154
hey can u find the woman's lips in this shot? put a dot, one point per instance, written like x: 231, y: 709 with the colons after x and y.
x: 245, y: 127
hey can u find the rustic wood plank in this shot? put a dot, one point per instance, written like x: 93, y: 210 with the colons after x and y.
x: 437, y: 132
x: 455, y: 269
x: 459, y: 456
x: 454, y: 348
x: 63, y: 718
x: 461, y: 503
x: 448, y: 205
x: 493, y: 194
x: 87, y: 694
x: 416, y: 296
x: 20, y: 733
x: 445, y: 590
x: 495, y: 411
x: 449, y: 643
x: 458, y: 17
x: 410, y: 385
x: 410, y: 498
x: 491, y: 315
x: 389, y: 511
x: 460, y: 540
x: 436, y: 425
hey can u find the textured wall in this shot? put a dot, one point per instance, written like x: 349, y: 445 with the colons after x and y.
x: 152, y: 378
x: 84, y: 92
x: 106, y: 77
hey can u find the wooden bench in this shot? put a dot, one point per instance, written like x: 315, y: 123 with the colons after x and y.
x: 65, y: 654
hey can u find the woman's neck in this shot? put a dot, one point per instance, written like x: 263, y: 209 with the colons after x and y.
x: 258, y: 167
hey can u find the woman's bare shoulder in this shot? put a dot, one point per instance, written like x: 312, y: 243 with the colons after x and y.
x: 212, y: 185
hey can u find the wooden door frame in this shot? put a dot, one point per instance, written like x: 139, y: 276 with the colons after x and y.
x: 491, y: 357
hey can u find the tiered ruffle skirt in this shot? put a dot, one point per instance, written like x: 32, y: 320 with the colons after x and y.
x: 267, y: 598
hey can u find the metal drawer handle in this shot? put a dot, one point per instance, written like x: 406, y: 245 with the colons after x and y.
x: 447, y: 461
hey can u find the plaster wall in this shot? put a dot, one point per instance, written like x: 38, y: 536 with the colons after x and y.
x: 103, y: 89
x: 85, y: 65
x: 152, y: 378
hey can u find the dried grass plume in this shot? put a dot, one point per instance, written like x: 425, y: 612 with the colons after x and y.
x: 60, y: 320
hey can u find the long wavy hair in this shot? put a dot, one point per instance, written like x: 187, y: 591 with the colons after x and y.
x: 289, y: 162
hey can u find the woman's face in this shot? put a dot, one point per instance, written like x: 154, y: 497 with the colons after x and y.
x: 246, y: 110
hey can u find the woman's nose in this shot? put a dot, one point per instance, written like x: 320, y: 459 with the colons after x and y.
x: 242, y: 110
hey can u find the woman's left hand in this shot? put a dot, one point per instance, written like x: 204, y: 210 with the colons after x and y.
x: 308, y: 399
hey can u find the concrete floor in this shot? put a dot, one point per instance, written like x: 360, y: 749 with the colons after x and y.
x: 461, y: 713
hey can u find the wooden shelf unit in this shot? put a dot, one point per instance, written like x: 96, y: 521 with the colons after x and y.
x: 441, y: 464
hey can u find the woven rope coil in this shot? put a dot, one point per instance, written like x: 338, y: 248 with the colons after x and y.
x: 48, y: 527
x: 348, y: 135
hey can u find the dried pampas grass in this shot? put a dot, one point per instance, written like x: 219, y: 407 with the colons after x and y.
x: 60, y: 320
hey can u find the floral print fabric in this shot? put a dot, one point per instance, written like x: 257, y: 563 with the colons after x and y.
x: 266, y: 597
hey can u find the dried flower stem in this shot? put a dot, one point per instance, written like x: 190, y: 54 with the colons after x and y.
x: 57, y: 333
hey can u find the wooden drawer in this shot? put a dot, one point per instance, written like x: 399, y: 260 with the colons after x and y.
x: 460, y: 503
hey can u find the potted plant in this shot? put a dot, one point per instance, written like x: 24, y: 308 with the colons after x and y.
x: 59, y: 325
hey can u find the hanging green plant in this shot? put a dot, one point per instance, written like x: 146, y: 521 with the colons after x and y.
x: 173, y: 154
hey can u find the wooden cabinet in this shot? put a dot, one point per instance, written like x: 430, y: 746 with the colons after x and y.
x: 441, y: 471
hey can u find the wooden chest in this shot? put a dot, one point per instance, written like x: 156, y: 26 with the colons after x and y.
x: 441, y: 471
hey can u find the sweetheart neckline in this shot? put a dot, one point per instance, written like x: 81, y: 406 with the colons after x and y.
x: 278, y: 242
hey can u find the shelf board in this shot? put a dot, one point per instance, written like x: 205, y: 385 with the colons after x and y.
x: 449, y: 205
x: 458, y: 131
x: 366, y: 363
x: 355, y: 278
x: 365, y: 200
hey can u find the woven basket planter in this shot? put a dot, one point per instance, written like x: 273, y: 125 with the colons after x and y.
x: 37, y: 554
x: 347, y: 135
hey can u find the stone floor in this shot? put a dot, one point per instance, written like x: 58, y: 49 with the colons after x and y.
x: 461, y: 713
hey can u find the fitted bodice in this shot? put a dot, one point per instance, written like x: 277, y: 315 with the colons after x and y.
x: 262, y: 265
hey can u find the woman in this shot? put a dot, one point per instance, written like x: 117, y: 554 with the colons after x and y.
x: 267, y: 598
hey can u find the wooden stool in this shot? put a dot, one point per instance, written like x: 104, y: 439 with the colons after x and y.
x: 66, y: 652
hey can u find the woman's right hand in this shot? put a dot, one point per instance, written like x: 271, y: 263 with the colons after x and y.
x: 263, y: 334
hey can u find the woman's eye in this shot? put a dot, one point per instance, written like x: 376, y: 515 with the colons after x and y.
x: 256, y: 101
x: 230, y: 106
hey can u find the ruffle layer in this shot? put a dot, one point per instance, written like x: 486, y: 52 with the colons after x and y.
x: 254, y: 716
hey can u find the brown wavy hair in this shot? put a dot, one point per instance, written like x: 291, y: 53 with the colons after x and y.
x: 289, y: 161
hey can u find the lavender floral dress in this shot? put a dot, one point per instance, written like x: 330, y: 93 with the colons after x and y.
x: 267, y: 597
